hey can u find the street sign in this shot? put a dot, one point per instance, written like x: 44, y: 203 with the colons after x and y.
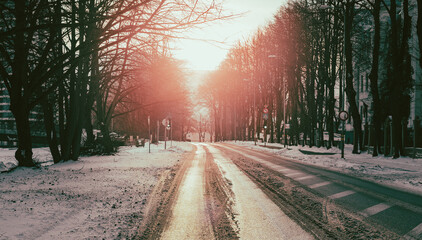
x: 265, y: 116
x: 287, y: 126
x: 343, y: 115
x: 265, y: 110
x: 165, y: 122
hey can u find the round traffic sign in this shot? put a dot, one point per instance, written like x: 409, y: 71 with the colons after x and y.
x: 265, y: 110
x: 343, y: 115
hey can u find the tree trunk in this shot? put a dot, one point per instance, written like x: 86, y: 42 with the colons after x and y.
x: 373, y: 77
x: 24, y: 152
x: 50, y: 131
x: 107, y: 143
x: 270, y: 117
x: 279, y: 110
x: 331, y: 84
x: 18, y: 96
x: 419, y: 31
x: 350, y: 91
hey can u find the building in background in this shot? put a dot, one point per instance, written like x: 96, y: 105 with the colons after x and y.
x: 8, y: 133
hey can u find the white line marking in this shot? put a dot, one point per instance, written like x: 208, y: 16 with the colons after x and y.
x: 375, y: 209
x: 293, y: 174
x: 414, y: 233
x: 317, y: 185
x: 282, y: 169
x: 342, y: 194
x: 305, y: 177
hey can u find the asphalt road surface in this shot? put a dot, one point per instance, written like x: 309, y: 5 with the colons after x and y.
x: 225, y: 191
x: 377, y: 205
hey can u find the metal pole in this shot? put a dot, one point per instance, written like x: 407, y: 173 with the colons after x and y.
x: 165, y: 138
x: 235, y: 122
x: 254, y: 113
x: 265, y: 136
x: 414, y: 138
x: 149, y: 133
x: 391, y: 138
x: 158, y: 131
x: 200, y: 127
x: 342, y: 140
x: 284, y: 111
x: 171, y: 134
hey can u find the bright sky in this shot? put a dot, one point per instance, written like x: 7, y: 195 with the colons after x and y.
x: 203, y: 55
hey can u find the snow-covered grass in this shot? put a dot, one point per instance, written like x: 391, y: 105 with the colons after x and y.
x: 98, y: 197
x: 403, y: 173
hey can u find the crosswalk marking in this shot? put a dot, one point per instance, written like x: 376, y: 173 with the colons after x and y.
x: 281, y: 169
x: 305, y: 177
x: 414, y: 233
x: 342, y: 194
x: 317, y: 185
x: 293, y: 174
x: 375, y: 209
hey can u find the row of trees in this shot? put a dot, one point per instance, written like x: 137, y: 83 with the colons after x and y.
x: 302, y: 65
x: 76, y: 57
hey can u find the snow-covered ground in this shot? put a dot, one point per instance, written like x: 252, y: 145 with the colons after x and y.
x: 403, y: 173
x: 99, y: 197
x: 104, y: 196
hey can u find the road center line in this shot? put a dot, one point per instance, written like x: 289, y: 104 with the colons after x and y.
x: 375, y: 209
x: 317, y: 185
x: 342, y: 194
x: 414, y: 233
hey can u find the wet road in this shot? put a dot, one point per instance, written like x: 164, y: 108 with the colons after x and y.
x: 255, y: 215
x: 189, y: 219
x: 395, y: 210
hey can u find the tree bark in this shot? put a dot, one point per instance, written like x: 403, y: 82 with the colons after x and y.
x: 24, y: 152
x: 51, y: 131
x: 350, y: 91
x: 19, y: 104
x: 373, y: 76
x: 419, y: 31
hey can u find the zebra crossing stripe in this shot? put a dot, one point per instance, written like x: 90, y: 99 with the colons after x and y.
x: 305, y: 177
x: 342, y: 194
x: 293, y: 174
x: 317, y: 185
x: 375, y: 209
x: 415, y: 233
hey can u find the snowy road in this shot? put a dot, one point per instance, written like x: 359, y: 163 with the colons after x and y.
x: 189, y: 219
x: 371, y: 203
x: 255, y: 215
x: 201, y: 191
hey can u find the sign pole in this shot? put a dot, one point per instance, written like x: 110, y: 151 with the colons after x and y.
x: 342, y: 141
x: 158, y: 131
x: 343, y: 115
x: 149, y: 133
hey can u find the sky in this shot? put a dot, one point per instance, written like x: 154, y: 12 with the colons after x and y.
x: 207, y: 55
